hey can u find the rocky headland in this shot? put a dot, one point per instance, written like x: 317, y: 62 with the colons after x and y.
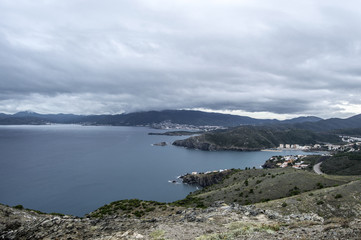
x: 206, y: 179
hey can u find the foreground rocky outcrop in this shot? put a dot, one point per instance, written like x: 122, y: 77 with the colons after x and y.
x: 301, y: 205
x: 219, y: 221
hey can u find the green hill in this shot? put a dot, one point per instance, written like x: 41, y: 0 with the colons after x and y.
x: 261, y: 185
x: 348, y: 131
x: 343, y: 164
x: 254, y: 138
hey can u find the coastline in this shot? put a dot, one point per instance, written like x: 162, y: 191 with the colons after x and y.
x: 271, y: 150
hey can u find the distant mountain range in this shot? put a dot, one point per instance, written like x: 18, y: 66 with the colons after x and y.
x: 184, y: 117
x: 331, y: 124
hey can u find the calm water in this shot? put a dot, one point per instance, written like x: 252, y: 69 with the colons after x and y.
x: 76, y: 169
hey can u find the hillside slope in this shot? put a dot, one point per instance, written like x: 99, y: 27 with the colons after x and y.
x: 340, y: 201
x: 343, y: 164
x: 260, y: 185
x: 248, y: 138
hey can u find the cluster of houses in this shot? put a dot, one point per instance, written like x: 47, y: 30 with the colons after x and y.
x: 350, y: 139
x: 168, y: 125
x: 349, y: 147
x: 294, y: 147
x: 292, y: 160
x: 308, y: 147
x: 215, y: 171
x: 351, y: 144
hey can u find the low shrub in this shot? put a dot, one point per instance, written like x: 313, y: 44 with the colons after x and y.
x: 20, y: 207
x: 338, y: 196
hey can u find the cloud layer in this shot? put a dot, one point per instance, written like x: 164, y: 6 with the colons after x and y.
x: 278, y: 57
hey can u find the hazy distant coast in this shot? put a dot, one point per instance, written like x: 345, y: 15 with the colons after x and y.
x: 176, y: 133
x: 179, y: 119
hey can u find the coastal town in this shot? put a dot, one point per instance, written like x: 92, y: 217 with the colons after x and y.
x: 350, y: 144
x: 294, y: 161
x: 169, y: 125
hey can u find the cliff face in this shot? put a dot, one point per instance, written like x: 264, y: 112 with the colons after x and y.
x: 206, y: 179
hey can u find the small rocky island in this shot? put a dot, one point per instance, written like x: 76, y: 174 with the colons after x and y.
x: 161, y: 144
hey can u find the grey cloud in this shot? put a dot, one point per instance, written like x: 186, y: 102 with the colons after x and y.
x: 115, y: 56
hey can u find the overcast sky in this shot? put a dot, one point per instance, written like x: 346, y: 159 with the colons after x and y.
x: 267, y: 58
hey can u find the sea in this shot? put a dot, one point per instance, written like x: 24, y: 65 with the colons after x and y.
x: 74, y: 169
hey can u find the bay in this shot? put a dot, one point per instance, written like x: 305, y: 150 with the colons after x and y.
x: 75, y: 169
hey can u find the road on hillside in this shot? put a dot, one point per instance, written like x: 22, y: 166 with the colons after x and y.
x: 317, y: 169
